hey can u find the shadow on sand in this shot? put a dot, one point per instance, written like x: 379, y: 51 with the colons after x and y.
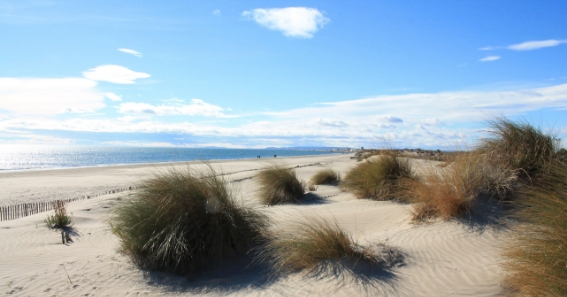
x: 242, y: 275
x: 487, y: 212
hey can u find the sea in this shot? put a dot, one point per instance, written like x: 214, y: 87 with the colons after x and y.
x: 32, y: 157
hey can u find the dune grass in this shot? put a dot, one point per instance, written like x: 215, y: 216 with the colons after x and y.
x: 449, y: 192
x: 537, y: 258
x: 311, y: 242
x: 325, y: 177
x: 279, y: 185
x: 518, y: 146
x: 60, y: 219
x: 444, y: 192
x: 378, y: 178
x: 183, y: 221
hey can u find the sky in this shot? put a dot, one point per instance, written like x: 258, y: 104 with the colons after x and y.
x: 254, y: 74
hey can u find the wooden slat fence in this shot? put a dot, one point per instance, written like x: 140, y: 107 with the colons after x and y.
x: 12, y: 212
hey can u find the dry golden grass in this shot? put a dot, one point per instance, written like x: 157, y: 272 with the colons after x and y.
x: 537, y: 258
x: 450, y: 191
x: 325, y: 177
x: 519, y: 146
x: 311, y: 242
x: 279, y: 185
x: 378, y: 178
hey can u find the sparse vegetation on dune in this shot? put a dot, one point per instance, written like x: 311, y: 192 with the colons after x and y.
x: 279, y: 185
x: 309, y: 243
x: 537, y: 258
x: 184, y: 221
x: 60, y: 219
x: 325, y: 177
x: 519, y: 146
x: 378, y: 178
x: 445, y: 192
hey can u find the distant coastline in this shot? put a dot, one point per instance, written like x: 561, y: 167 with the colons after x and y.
x: 59, y: 157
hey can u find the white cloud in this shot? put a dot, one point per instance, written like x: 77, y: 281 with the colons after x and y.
x: 131, y: 52
x: 114, y: 74
x: 489, y: 59
x: 489, y: 48
x: 217, y: 12
x: 330, y: 123
x: 196, y: 107
x: 113, y: 96
x: 388, y: 119
x: 300, y: 22
x: 431, y: 122
x: 429, y: 119
x: 532, y: 45
x: 526, y: 46
x: 49, y: 96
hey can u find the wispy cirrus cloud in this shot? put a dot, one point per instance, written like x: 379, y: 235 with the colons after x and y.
x: 196, y: 107
x: 527, y: 45
x: 114, y: 74
x: 489, y: 59
x: 131, y: 52
x: 299, y: 22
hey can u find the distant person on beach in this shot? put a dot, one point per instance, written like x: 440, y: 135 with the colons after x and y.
x: 274, y: 156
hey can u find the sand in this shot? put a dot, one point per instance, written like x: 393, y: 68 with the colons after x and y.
x: 454, y: 258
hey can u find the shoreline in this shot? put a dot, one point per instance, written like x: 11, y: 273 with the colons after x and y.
x: 24, y: 186
x: 3, y: 171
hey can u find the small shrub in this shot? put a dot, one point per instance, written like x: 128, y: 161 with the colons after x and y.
x: 379, y: 178
x: 60, y: 219
x: 310, y: 243
x: 562, y: 155
x: 311, y: 186
x: 279, y: 185
x: 325, y: 177
x: 519, y: 146
x: 184, y: 221
x: 537, y: 258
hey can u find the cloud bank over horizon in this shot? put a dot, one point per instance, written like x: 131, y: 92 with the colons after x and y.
x: 417, y: 119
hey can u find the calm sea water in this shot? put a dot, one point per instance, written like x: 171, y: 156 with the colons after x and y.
x: 49, y: 157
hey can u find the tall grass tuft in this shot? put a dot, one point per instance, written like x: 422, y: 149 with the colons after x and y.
x: 309, y: 243
x: 446, y: 192
x: 60, y: 219
x: 519, y: 146
x: 279, y: 185
x: 183, y: 221
x: 378, y: 178
x: 325, y: 177
x: 537, y: 258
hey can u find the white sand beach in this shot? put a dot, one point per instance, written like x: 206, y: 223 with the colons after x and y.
x: 452, y: 258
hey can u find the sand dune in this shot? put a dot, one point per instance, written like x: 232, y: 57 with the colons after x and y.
x: 440, y: 259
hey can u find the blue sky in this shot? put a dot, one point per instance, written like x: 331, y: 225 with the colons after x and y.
x: 278, y: 73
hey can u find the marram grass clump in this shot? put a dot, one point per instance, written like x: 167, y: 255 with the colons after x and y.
x: 378, y: 178
x: 519, y: 146
x: 279, y: 185
x: 310, y: 243
x: 537, y: 257
x: 325, y: 177
x: 183, y: 221
x: 451, y: 191
x: 60, y: 219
